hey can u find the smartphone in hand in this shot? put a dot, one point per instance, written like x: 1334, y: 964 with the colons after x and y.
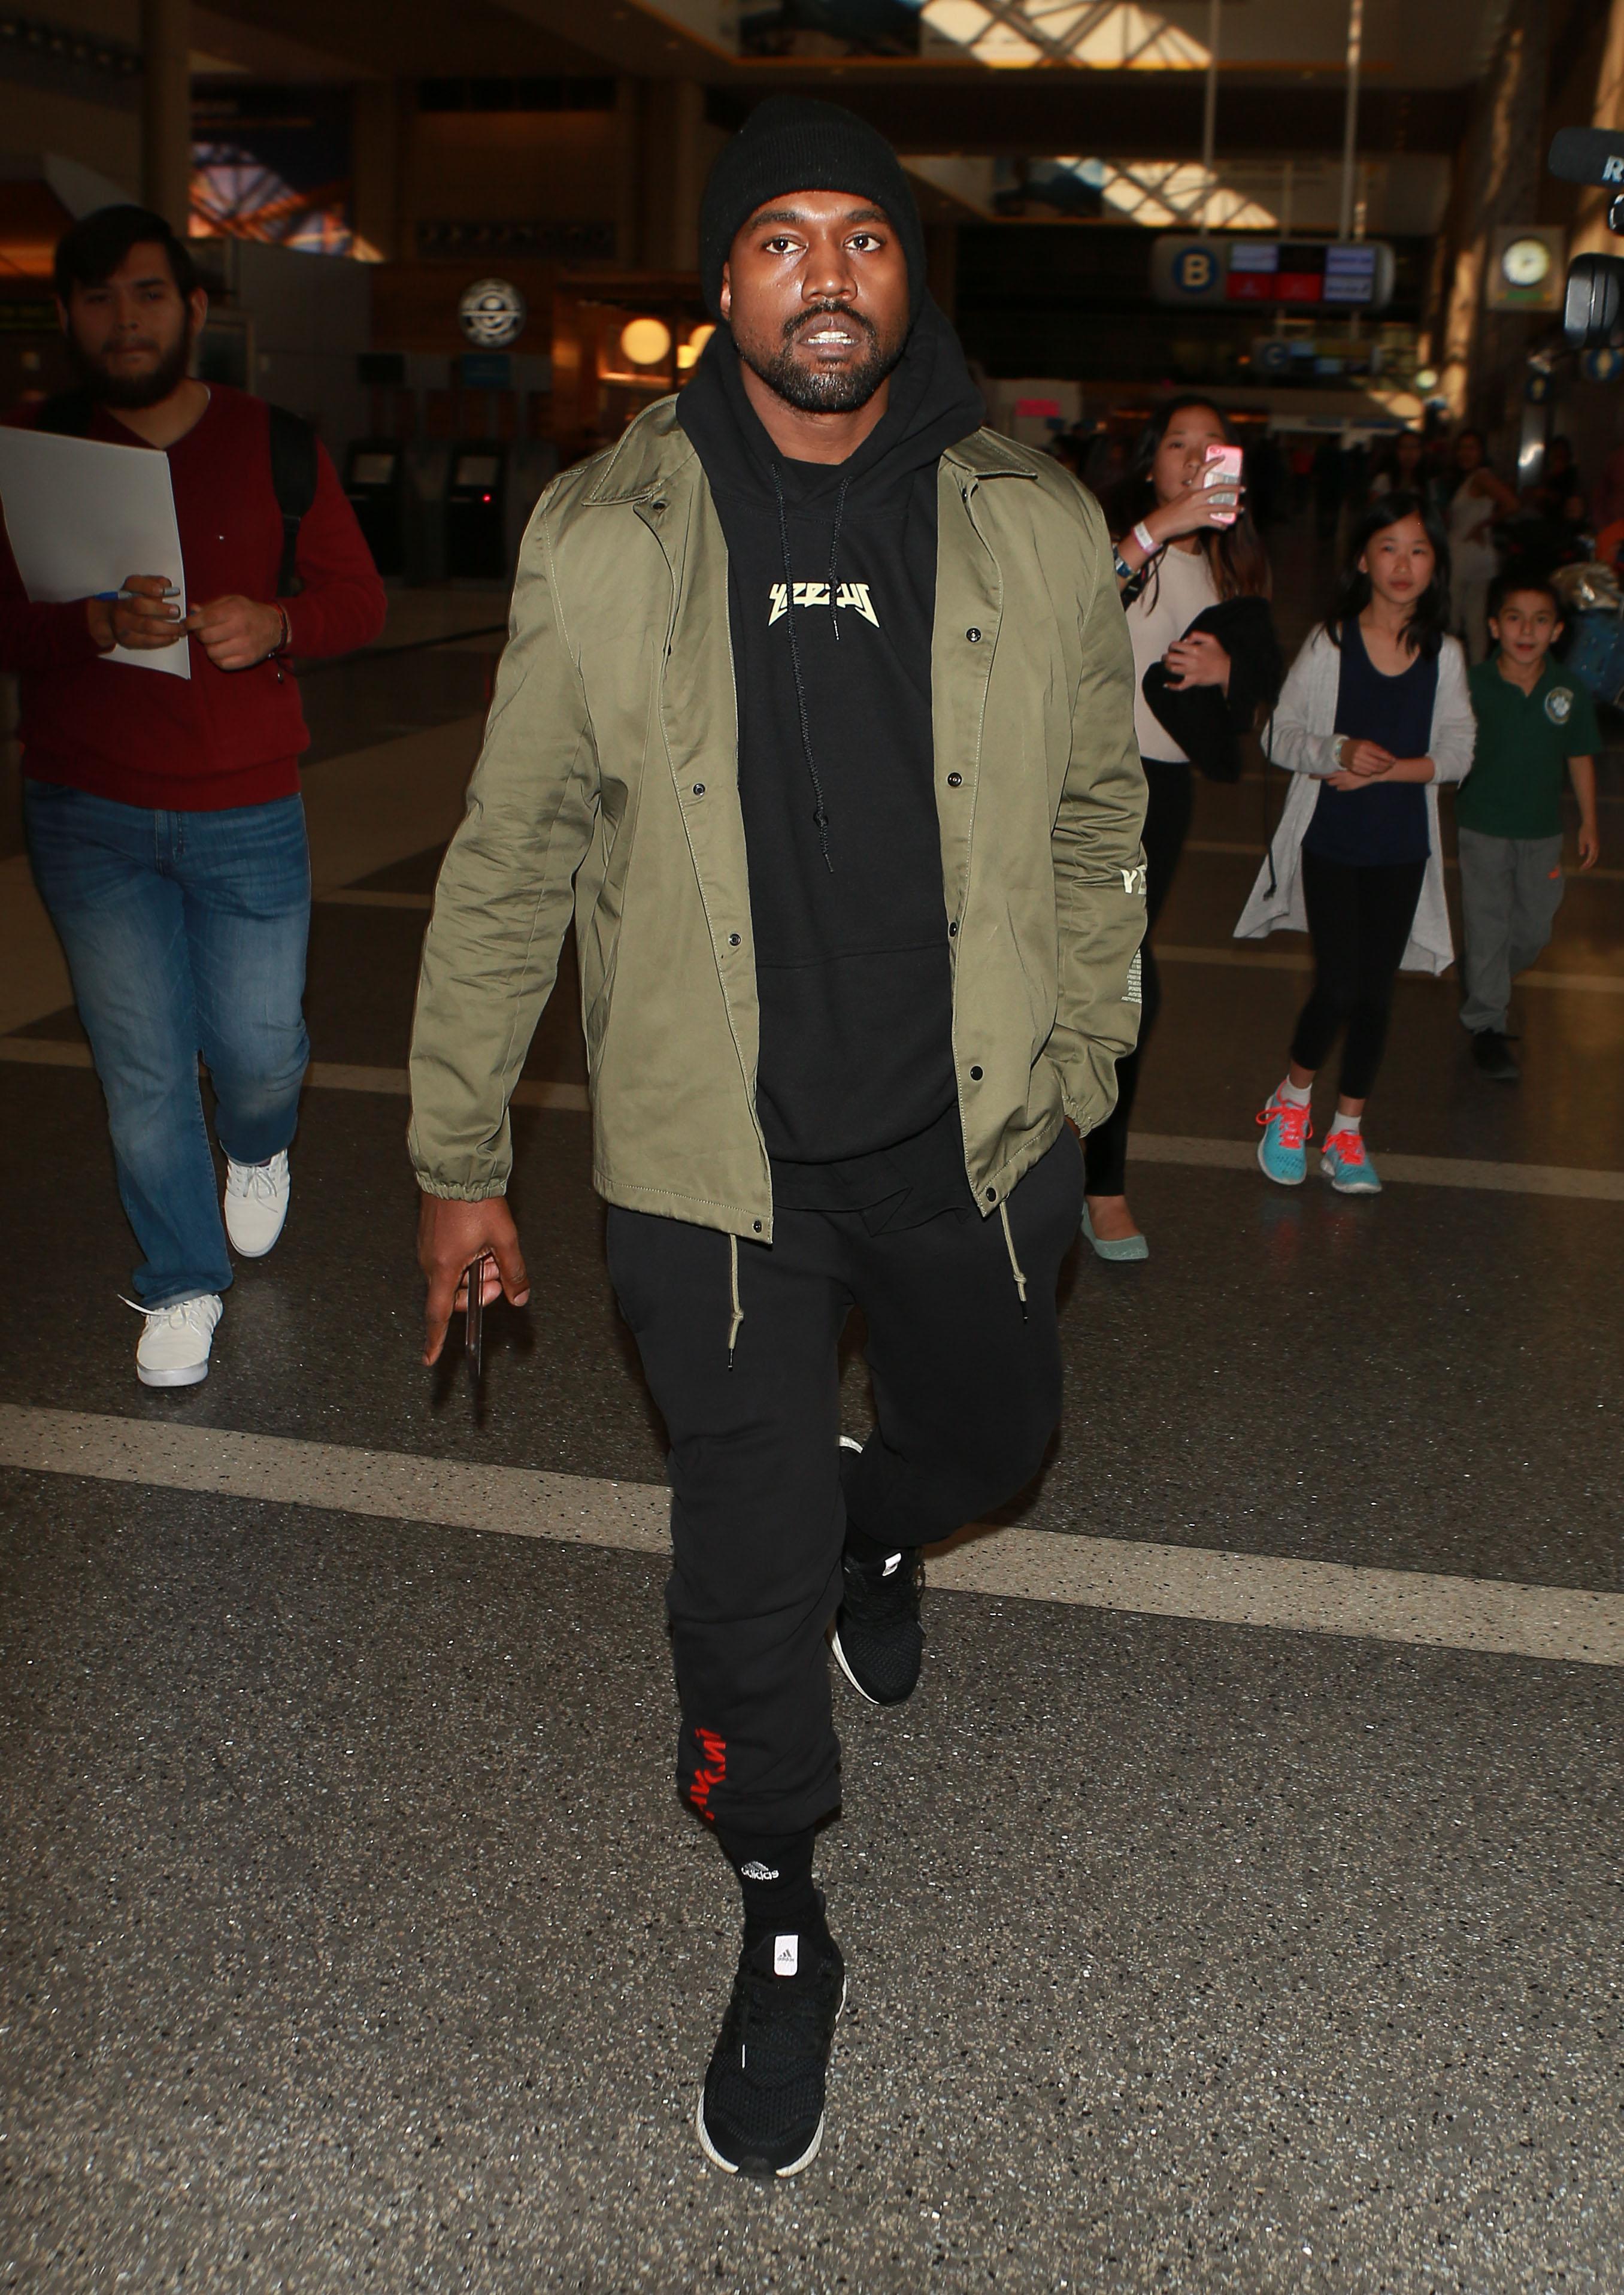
x: 1223, y: 468
x: 473, y: 1329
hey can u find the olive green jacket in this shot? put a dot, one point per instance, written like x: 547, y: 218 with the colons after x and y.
x: 608, y: 784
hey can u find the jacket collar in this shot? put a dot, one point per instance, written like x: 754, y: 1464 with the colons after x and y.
x: 652, y: 451
x: 654, y: 448
x: 989, y: 454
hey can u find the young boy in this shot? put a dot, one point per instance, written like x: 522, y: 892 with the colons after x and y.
x: 1532, y: 720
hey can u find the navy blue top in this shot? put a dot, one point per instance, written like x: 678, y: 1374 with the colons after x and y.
x: 1378, y: 827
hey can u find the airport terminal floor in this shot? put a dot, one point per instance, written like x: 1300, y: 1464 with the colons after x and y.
x: 1237, y: 1904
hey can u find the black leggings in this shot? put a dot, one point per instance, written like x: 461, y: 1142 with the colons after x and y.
x: 1171, y: 800
x: 1359, y: 921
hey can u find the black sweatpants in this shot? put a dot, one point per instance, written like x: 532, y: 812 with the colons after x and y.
x: 1360, y: 922
x: 1170, y: 804
x: 967, y: 1394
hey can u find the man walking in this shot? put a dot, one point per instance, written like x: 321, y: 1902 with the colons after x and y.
x: 819, y: 699
x: 163, y: 818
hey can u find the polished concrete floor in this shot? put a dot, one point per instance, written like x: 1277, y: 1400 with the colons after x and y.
x: 352, y: 1934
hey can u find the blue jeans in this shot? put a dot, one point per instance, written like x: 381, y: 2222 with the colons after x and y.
x: 185, y: 933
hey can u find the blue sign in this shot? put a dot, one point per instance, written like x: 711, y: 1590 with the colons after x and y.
x: 1195, y: 270
x: 1601, y: 366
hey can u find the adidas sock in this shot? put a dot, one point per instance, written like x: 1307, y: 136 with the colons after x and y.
x: 1346, y: 1123
x: 1294, y: 1095
x: 872, y: 1552
x: 775, y: 1879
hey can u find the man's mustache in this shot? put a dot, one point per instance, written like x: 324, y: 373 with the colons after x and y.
x: 841, y: 311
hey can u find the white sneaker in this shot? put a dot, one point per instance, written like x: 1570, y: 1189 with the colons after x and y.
x: 173, y: 1349
x: 257, y: 1203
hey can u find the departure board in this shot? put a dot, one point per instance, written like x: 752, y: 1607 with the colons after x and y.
x: 1307, y: 271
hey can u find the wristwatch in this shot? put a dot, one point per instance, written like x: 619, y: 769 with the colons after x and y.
x: 1124, y: 572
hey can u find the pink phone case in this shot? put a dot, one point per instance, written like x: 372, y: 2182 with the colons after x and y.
x: 1223, y: 468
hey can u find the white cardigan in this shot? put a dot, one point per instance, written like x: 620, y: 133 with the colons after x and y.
x: 1301, y: 741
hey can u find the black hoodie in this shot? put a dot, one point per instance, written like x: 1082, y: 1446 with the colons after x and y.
x: 831, y: 589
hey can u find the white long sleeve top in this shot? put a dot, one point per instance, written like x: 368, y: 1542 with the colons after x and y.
x: 1302, y: 739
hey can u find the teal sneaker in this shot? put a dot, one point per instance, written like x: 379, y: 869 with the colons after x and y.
x: 1345, y: 1162
x: 1282, y: 1150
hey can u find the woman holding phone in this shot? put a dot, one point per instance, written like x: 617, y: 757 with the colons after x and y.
x: 1375, y: 713
x: 1183, y: 547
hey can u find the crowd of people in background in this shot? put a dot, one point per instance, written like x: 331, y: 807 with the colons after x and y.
x: 1437, y: 662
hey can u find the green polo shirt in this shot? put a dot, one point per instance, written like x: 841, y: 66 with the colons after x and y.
x: 1520, y: 765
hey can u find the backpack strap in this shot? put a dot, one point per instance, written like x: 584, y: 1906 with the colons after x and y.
x: 68, y: 414
x: 293, y: 476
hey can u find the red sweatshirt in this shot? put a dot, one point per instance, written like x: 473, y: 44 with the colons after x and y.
x: 228, y: 736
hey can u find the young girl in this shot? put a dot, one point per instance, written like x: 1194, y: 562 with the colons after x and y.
x: 1375, y: 713
x: 1182, y: 548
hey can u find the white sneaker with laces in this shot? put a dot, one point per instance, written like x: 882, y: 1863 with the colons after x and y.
x: 257, y: 1203
x: 173, y: 1349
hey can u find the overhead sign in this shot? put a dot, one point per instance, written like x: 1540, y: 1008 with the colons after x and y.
x: 1355, y: 274
x: 1186, y: 271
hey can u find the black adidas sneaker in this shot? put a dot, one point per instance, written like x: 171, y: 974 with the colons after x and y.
x: 878, y: 1637
x: 762, y: 2109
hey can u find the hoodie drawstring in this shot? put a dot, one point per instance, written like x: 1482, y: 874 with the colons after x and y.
x: 833, y: 552
x: 820, y: 811
x: 739, y: 1312
x: 1014, y: 1264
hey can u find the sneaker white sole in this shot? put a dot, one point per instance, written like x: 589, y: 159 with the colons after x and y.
x: 1352, y: 1186
x: 1275, y: 1176
x: 867, y: 1695
x: 731, y: 2166
x: 187, y: 1375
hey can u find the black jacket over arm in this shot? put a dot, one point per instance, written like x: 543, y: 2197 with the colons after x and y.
x: 1206, y: 722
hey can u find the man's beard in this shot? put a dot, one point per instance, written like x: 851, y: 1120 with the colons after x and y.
x: 839, y: 390
x: 132, y: 391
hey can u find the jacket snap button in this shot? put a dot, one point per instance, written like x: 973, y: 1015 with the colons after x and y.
x: 991, y: 1195
x: 973, y: 636
x: 952, y: 930
x: 733, y: 940
x: 698, y: 788
x: 955, y: 780
x: 975, y: 1076
x: 758, y: 1226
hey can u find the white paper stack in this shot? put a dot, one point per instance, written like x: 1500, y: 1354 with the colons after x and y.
x: 82, y: 517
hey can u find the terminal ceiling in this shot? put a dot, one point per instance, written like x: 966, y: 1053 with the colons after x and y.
x: 1006, y: 76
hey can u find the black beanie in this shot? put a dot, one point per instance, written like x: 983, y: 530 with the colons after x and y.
x: 795, y: 143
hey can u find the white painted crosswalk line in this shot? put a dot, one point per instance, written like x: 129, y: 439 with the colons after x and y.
x: 1494, y: 1616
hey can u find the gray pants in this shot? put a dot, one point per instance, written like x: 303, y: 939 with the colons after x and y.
x: 1510, y: 888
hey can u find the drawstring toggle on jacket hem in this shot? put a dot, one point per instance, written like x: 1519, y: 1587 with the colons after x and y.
x: 739, y: 1312
x: 1014, y: 1264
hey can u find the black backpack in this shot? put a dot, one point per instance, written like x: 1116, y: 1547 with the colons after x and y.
x: 293, y: 467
